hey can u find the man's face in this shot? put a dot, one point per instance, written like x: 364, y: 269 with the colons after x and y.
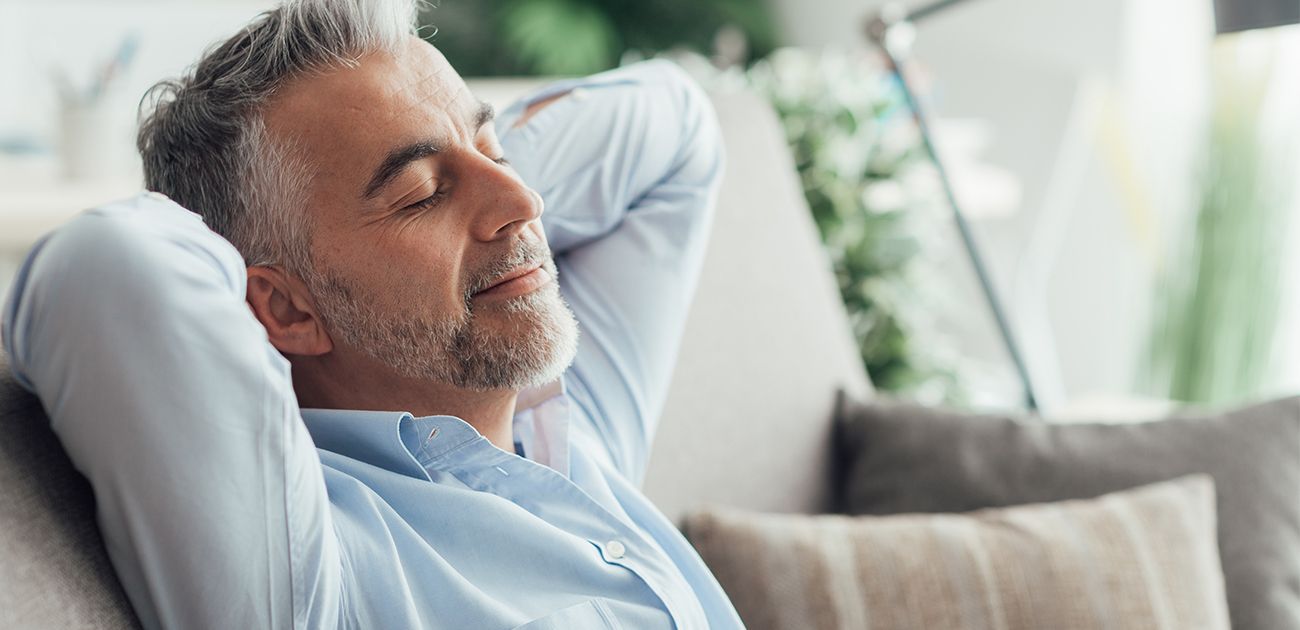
x: 427, y: 252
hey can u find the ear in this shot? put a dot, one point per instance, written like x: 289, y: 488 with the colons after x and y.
x: 283, y: 304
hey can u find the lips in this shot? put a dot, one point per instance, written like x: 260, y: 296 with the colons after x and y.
x: 517, y: 282
x: 522, y: 271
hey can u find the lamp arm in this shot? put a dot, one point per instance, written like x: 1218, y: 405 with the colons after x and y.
x: 926, y: 10
x: 878, y: 30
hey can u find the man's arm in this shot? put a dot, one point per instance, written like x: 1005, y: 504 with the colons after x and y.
x: 129, y: 324
x: 628, y: 163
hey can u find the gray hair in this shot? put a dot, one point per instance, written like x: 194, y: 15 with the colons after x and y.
x: 206, y: 146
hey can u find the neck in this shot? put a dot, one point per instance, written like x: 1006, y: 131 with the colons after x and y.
x: 339, y: 381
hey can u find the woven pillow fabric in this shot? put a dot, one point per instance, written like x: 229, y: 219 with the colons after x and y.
x: 1143, y: 559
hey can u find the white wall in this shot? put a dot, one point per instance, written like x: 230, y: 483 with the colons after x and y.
x: 1282, y: 108
x: 38, y: 36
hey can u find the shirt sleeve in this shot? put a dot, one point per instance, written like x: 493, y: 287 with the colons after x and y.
x: 130, y: 325
x: 628, y: 163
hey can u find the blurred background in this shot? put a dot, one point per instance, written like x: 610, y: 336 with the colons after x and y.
x: 1129, y: 177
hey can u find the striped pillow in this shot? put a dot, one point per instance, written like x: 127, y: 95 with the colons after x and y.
x: 1144, y: 559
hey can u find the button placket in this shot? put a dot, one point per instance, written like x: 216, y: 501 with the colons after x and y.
x: 610, y: 539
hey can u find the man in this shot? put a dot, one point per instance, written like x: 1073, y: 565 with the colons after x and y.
x: 375, y: 252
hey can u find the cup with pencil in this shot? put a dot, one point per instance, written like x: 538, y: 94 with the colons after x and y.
x: 86, y: 129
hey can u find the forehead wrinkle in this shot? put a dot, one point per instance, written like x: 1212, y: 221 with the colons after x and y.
x: 430, y: 97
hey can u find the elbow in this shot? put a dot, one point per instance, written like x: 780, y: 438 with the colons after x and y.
x: 700, y: 154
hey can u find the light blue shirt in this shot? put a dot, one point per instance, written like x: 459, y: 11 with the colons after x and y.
x: 224, y: 506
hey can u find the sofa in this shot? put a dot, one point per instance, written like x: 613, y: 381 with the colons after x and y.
x: 747, y: 423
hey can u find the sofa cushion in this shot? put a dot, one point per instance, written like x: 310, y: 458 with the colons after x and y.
x: 55, y: 572
x: 1141, y: 559
x: 902, y: 458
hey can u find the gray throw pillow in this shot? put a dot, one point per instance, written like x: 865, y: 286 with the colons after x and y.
x: 897, y: 458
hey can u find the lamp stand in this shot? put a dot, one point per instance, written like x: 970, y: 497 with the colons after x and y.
x: 891, y: 31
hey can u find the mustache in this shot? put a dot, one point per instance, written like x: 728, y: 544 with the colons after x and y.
x: 523, y: 253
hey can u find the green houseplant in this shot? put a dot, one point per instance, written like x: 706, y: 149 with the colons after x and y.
x: 569, y: 37
x: 1218, y: 300
x: 864, y: 175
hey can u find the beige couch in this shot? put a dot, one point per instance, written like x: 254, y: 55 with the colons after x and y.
x: 746, y: 424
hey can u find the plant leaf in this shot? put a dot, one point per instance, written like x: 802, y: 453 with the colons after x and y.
x: 560, y: 36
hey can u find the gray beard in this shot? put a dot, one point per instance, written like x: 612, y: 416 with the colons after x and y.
x: 456, y: 350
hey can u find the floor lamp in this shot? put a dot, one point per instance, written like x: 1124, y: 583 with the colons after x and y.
x: 891, y: 31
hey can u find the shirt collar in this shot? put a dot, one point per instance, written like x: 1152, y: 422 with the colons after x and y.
x: 399, y: 442
x: 375, y: 437
x: 542, y: 425
x: 534, y: 396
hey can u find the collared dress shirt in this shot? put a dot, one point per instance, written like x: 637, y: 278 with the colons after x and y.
x: 225, y: 506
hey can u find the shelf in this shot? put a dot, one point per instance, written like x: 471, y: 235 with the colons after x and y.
x: 30, y: 210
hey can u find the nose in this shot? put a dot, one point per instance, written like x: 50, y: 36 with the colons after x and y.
x: 508, y: 205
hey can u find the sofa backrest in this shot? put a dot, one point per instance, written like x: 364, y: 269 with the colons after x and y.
x: 767, y: 343
x: 54, y: 571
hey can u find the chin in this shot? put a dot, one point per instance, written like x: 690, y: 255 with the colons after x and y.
x: 524, y: 342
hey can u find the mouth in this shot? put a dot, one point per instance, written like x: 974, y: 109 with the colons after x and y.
x: 519, y: 281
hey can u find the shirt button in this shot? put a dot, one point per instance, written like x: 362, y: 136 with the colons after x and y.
x: 615, y: 550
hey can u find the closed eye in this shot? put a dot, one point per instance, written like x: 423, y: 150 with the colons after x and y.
x: 427, y: 203
x: 439, y: 195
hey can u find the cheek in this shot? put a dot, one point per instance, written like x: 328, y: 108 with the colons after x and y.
x: 416, y: 266
x: 426, y: 278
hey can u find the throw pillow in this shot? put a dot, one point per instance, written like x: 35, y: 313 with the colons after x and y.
x: 1143, y: 559
x: 899, y: 458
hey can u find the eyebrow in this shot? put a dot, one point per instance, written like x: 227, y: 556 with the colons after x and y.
x: 398, y: 159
